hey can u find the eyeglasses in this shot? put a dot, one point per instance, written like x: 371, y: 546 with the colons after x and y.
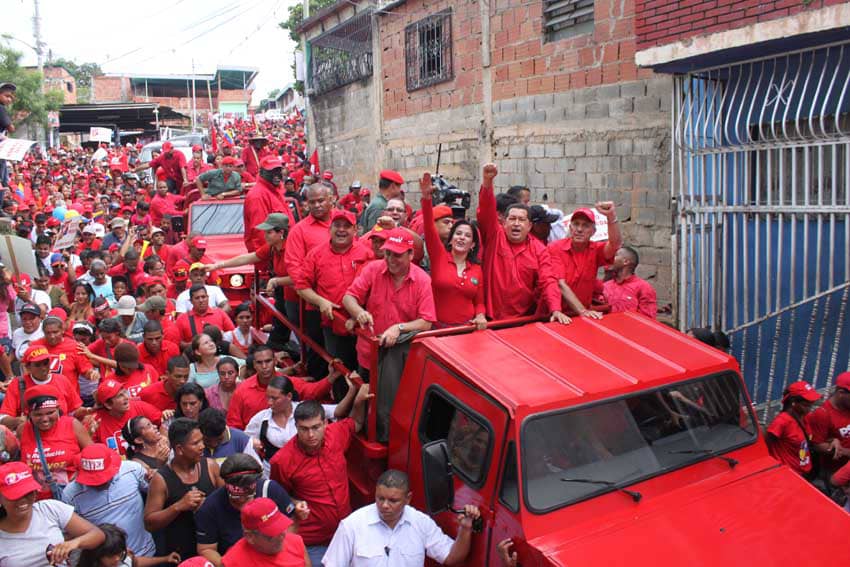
x: 398, y: 209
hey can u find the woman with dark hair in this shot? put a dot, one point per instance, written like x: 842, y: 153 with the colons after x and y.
x: 457, y: 279
x: 82, y: 296
x: 191, y: 401
x: 204, y: 356
x: 219, y: 394
x: 145, y: 444
x: 788, y: 435
x: 244, y: 336
x: 113, y: 552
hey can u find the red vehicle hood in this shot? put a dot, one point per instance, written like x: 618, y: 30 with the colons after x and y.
x: 220, y: 248
x: 770, y: 518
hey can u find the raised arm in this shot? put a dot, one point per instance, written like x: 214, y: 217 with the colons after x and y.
x: 436, y: 250
x: 488, y: 217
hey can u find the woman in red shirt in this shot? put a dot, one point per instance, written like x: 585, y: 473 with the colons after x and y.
x: 457, y: 279
x: 62, y: 438
x: 788, y: 436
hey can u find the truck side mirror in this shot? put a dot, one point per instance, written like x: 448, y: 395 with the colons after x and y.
x: 438, y: 477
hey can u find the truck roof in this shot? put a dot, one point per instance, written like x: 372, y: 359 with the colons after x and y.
x: 548, y: 364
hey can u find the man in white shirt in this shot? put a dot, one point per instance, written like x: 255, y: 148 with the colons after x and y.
x: 198, y: 275
x: 375, y: 535
x: 30, y: 329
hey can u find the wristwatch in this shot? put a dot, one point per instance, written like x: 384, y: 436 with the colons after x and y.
x: 401, y: 327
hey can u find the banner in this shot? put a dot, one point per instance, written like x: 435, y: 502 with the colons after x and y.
x: 68, y: 235
x: 53, y: 119
x: 97, y: 134
x: 17, y: 255
x: 14, y: 149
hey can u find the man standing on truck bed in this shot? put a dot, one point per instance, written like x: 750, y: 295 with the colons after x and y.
x: 392, y: 527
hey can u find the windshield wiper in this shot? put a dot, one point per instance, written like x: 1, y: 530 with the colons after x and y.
x: 732, y: 462
x: 636, y: 496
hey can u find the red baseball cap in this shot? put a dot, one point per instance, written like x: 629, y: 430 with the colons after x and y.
x: 584, y: 212
x: 48, y: 392
x: 197, y: 148
x: 24, y: 280
x: 197, y: 561
x: 107, y: 390
x: 36, y: 354
x: 391, y: 175
x: 181, y: 274
x: 229, y: 160
x: 801, y: 389
x: 843, y: 380
x: 379, y: 234
x: 442, y: 211
x: 97, y: 464
x: 199, y: 242
x: 270, y: 162
x: 340, y: 214
x: 328, y: 175
x: 263, y: 515
x: 167, y: 146
x: 398, y: 241
x: 16, y: 481
x: 59, y: 313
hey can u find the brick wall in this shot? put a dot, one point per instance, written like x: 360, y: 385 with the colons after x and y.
x: 660, y: 22
x: 110, y: 89
x: 463, y: 89
x: 525, y: 64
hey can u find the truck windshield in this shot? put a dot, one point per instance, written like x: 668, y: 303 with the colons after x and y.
x: 217, y: 218
x: 620, y: 442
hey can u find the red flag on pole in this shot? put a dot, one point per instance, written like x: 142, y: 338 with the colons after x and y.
x: 314, y: 160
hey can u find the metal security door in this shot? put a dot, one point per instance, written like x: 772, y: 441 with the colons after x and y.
x: 760, y: 182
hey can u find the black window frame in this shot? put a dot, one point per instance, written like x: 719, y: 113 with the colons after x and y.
x: 510, y: 455
x: 479, y: 419
x: 554, y: 9
x: 419, y: 73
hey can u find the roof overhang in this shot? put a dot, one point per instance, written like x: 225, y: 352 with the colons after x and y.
x: 126, y: 116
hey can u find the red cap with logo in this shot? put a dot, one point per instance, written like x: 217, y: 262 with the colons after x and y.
x: 263, y: 515
x: 340, y: 214
x: 328, y: 175
x: 270, y: 162
x: 97, y: 464
x: 584, y: 212
x: 800, y: 389
x: 16, y: 481
x: 398, y: 241
x: 229, y: 160
x: 107, y: 390
x: 199, y: 242
x: 36, y: 354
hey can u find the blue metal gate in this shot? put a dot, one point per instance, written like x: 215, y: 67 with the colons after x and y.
x: 760, y: 182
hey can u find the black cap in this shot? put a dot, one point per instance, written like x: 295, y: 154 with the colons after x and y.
x: 31, y: 308
x: 8, y: 87
x: 539, y: 214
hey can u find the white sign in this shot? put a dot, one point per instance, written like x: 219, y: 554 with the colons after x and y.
x: 17, y: 255
x: 601, y: 226
x: 98, y: 155
x: 53, y: 119
x: 68, y: 236
x: 300, y: 69
x: 97, y: 134
x: 14, y: 149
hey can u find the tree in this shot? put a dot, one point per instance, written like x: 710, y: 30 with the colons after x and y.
x: 296, y: 16
x: 30, y: 100
x: 273, y: 94
x: 83, y: 75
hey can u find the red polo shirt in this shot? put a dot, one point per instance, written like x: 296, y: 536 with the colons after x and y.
x: 578, y: 268
x: 108, y: 429
x: 64, y: 359
x: 274, y: 261
x: 631, y: 294
x: 329, y: 274
x: 172, y: 164
x: 328, y: 499
x: 518, y: 278
x: 250, y: 398
x: 214, y: 316
x: 262, y: 199
x: 158, y: 361
x: 792, y: 443
x: 375, y: 290
x: 158, y: 397
x: 68, y: 402
x: 828, y: 422
x: 291, y: 555
x: 309, y: 233
x: 137, y: 380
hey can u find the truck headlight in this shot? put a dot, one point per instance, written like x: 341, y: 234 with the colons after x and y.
x: 236, y: 280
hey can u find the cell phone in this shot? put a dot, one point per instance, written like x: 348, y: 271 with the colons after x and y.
x: 177, y: 224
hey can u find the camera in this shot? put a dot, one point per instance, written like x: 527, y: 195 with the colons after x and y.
x: 448, y: 194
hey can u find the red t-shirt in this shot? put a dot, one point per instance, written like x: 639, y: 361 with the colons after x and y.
x: 250, y: 398
x: 578, y: 268
x: 137, y: 380
x: 632, y: 294
x: 160, y: 360
x: 214, y: 316
x: 108, y: 430
x: 309, y: 233
x: 157, y: 396
x: 60, y: 449
x: 68, y: 402
x: 792, y: 443
x: 171, y: 164
x: 242, y: 554
x: 64, y: 359
x: 298, y: 473
x: 828, y: 422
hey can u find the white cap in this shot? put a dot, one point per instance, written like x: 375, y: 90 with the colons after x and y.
x: 126, y: 305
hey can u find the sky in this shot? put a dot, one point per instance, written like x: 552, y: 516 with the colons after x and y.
x: 161, y: 36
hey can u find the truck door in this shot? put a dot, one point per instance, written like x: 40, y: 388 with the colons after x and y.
x: 473, y: 427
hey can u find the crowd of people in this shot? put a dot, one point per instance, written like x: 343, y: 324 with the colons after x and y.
x: 148, y: 420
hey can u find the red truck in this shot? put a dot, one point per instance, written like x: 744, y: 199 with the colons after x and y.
x: 600, y: 443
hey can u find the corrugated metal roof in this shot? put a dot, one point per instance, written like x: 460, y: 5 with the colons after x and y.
x: 537, y: 364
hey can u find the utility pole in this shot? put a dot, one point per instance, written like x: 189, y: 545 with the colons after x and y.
x: 194, y: 104
x: 36, y: 32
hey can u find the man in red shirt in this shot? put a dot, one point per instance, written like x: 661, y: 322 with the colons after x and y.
x: 788, y: 436
x: 173, y: 163
x: 627, y: 292
x: 518, y: 275
x: 830, y: 425
x: 254, y: 153
x: 162, y: 394
x: 116, y: 409
x: 390, y: 297
x: 576, y: 259
x: 326, y: 273
x: 154, y: 349
x: 266, y: 540
x: 163, y: 203
x: 349, y: 202
x: 250, y: 395
x: 192, y: 322
x: 318, y: 452
x: 264, y: 198
x: 65, y: 357
x: 36, y: 362
x: 196, y: 165
x: 130, y: 373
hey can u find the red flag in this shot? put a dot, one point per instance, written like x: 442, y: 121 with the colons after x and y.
x: 314, y: 159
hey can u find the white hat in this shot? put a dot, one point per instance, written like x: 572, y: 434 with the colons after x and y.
x: 90, y: 229
x: 126, y: 305
x: 99, y: 230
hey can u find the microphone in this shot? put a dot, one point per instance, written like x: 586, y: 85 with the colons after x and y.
x: 387, y: 550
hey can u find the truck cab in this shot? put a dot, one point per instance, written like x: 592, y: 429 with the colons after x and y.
x: 612, y: 442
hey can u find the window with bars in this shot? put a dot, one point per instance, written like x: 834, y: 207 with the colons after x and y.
x: 428, y: 51
x: 566, y: 18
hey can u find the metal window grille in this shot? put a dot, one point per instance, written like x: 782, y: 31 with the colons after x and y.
x: 428, y: 51
x: 565, y: 18
x: 341, y: 55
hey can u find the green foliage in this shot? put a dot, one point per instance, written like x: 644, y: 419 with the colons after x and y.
x: 30, y: 100
x: 296, y: 16
x: 83, y: 75
x: 273, y: 94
